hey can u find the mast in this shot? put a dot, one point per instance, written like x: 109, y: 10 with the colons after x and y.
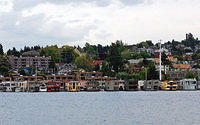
x: 160, y: 68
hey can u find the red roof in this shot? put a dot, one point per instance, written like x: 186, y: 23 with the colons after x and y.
x: 96, y: 62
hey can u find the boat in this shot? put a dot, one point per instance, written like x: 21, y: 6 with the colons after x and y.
x: 18, y: 89
x: 43, y: 88
x: 92, y: 86
x: 8, y: 89
x: 53, y: 86
x: 169, y: 85
x: 73, y: 86
x: 2, y: 88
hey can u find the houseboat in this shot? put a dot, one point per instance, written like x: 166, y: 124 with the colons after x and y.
x: 141, y: 85
x: 131, y: 85
x: 9, y: 86
x: 43, y: 88
x: 121, y: 85
x: 33, y: 86
x: 151, y: 85
x: 188, y: 84
x: 2, y: 88
x: 102, y: 85
x: 18, y: 89
x: 169, y: 85
x: 198, y: 85
x: 23, y: 85
x: 73, y: 86
x: 53, y: 86
x: 92, y: 86
x: 112, y: 86
x: 83, y: 85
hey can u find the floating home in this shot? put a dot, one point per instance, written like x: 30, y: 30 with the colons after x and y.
x: 198, y: 85
x: 2, y: 88
x: 43, y: 87
x: 188, y: 84
x: 169, y: 85
x: 92, y: 86
x: 131, y: 85
x: 141, y: 85
x: 112, y: 86
x: 151, y: 85
x: 53, y: 86
x: 115, y: 85
x: 73, y: 86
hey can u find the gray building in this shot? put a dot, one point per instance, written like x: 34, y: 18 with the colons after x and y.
x: 41, y: 63
x: 187, y: 84
x: 180, y: 74
x: 151, y: 85
x: 131, y: 85
x: 114, y: 85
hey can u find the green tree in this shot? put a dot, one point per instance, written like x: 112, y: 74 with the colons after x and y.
x: 126, y: 54
x: 189, y: 75
x: 114, y: 58
x: 52, y: 51
x: 152, y: 72
x: 1, y: 50
x: 68, y: 54
x: 105, y: 68
x: 84, y: 62
x: 143, y: 44
x: 4, y: 66
x: 90, y: 49
x: 42, y: 52
x: 124, y: 75
x: 165, y: 61
x: 120, y: 46
x: 13, y: 52
x: 22, y: 72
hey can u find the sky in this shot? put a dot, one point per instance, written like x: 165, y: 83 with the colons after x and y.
x: 75, y: 22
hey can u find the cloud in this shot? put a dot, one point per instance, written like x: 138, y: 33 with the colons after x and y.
x: 6, y: 5
x: 75, y: 22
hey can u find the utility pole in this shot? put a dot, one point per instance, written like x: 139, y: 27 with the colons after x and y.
x: 160, y: 63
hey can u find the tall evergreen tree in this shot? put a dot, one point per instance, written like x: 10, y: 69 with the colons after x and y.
x: 1, y: 50
x: 114, y: 58
x: 4, y: 66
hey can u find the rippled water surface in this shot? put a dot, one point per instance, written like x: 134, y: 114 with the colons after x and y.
x: 103, y: 108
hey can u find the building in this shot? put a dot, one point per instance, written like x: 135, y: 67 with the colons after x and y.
x: 5, y: 79
x: 53, y: 86
x: 151, y: 85
x: 169, y: 85
x: 182, y: 66
x: 188, y: 84
x: 65, y: 68
x: 73, y: 86
x: 131, y: 85
x: 10, y: 86
x: 180, y: 74
x: 141, y: 85
x: 112, y: 85
x: 92, y: 86
x: 39, y: 63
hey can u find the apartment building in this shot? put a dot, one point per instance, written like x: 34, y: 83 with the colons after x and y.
x: 41, y: 63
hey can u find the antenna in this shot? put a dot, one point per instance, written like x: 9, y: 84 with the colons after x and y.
x: 160, y: 64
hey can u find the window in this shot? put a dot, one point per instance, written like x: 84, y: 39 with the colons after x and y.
x: 7, y: 79
x: 73, y: 85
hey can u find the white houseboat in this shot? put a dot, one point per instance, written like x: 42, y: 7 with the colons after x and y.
x: 188, y: 84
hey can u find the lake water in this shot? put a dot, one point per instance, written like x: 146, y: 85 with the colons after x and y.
x: 100, y: 108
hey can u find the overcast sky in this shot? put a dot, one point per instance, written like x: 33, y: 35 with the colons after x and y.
x: 74, y: 22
